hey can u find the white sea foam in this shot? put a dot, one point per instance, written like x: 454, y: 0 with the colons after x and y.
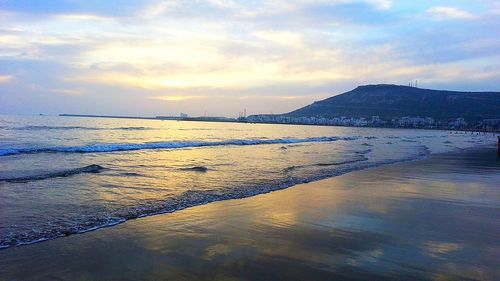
x: 44, y: 128
x: 95, y: 148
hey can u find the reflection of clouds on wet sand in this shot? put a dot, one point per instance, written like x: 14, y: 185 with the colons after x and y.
x: 396, y: 219
x: 437, y: 249
x: 217, y: 250
x: 347, y: 223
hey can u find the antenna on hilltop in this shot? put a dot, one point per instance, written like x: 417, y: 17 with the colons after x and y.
x: 413, y: 84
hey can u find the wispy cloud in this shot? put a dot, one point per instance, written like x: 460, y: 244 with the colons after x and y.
x: 223, y: 54
x: 381, y: 4
x: 83, y: 17
x: 179, y: 97
x: 273, y: 97
x: 70, y: 92
x: 6, y: 78
x: 446, y: 12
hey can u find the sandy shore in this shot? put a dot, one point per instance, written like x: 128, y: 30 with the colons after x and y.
x: 436, y: 219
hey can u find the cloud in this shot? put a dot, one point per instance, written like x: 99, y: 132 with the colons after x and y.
x: 5, y: 78
x: 83, y: 17
x: 42, y: 9
x: 179, y: 97
x: 382, y: 4
x: 445, y: 12
x: 269, y: 55
x: 272, y: 97
x: 70, y: 92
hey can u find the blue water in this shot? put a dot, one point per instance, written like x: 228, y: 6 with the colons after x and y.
x: 66, y: 175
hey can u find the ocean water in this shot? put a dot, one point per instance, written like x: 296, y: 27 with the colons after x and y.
x: 66, y: 175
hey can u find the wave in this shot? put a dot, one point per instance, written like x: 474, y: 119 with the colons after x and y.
x: 43, y: 128
x: 201, y: 169
x: 66, y: 173
x: 94, y: 148
x: 333, y: 163
x: 363, y: 151
x: 192, y: 198
x: 130, y: 174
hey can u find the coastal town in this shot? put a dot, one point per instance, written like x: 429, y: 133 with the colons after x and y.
x: 484, y: 125
x: 491, y: 125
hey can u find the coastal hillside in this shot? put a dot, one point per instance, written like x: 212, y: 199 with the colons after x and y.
x: 389, y: 101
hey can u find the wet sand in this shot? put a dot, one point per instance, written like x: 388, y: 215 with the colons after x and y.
x: 435, y: 219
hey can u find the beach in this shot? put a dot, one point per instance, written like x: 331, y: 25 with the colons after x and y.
x: 432, y: 219
x: 249, y: 140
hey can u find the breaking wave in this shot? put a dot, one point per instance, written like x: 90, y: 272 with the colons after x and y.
x: 66, y: 173
x: 42, y: 128
x: 94, y: 148
x: 201, y: 169
x: 326, y: 164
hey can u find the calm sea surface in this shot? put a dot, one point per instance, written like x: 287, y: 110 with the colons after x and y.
x: 64, y: 175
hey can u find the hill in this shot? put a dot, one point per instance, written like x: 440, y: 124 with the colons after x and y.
x: 388, y: 101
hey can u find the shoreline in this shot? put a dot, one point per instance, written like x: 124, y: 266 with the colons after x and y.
x: 270, y: 189
x: 197, y: 119
x: 264, y: 214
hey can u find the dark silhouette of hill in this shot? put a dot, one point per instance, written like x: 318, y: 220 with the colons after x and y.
x: 388, y: 101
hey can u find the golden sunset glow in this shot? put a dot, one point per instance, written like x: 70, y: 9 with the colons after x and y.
x: 291, y: 53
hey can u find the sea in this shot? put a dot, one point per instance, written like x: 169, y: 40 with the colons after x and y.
x: 67, y: 175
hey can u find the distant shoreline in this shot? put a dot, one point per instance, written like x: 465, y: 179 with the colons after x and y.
x: 107, y: 116
x: 232, y: 120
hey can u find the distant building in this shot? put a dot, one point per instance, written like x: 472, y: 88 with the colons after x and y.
x: 409, y: 121
x: 491, y: 124
x: 458, y: 123
x: 375, y: 121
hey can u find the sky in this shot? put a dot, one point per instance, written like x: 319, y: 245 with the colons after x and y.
x: 220, y: 57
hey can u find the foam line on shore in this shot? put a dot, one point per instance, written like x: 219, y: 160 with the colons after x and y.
x: 195, y: 198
